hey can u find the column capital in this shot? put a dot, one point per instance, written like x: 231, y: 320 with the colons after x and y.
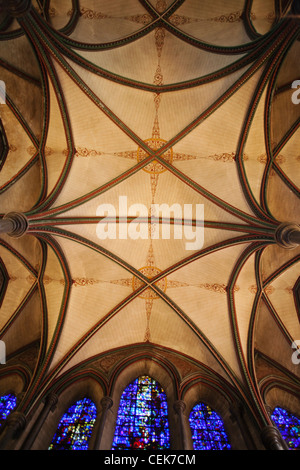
x: 16, y: 8
x: 106, y: 403
x: 287, y: 235
x: 16, y: 422
x: 272, y: 438
x: 19, y: 224
x: 179, y: 406
x: 51, y: 400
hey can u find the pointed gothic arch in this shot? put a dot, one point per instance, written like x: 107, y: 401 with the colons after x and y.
x: 75, y: 427
x: 142, y: 421
x: 208, y: 431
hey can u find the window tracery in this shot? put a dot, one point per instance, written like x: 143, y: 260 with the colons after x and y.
x: 142, y: 421
x: 208, y: 432
x: 75, y: 427
x: 7, y: 404
x: 289, y: 427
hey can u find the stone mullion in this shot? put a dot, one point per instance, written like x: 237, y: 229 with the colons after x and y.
x: 106, y: 404
x: 50, y: 404
x: 186, y: 442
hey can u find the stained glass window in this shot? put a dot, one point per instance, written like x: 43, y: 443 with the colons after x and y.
x: 142, y: 421
x: 75, y: 427
x: 7, y: 405
x: 289, y: 427
x: 207, y: 428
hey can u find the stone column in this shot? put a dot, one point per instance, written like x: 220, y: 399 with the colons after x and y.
x: 50, y: 403
x: 237, y: 414
x: 284, y: 444
x: 14, y: 224
x: 288, y: 235
x: 14, y: 424
x: 106, y: 404
x: 272, y: 438
x: 185, y: 439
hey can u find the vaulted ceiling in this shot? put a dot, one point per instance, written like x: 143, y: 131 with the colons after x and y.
x: 161, y: 102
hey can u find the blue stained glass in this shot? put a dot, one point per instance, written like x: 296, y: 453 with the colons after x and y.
x: 207, y: 428
x: 7, y: 405
x: 75, y: 427
x: 289, y: 427
x: 142, y: 421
